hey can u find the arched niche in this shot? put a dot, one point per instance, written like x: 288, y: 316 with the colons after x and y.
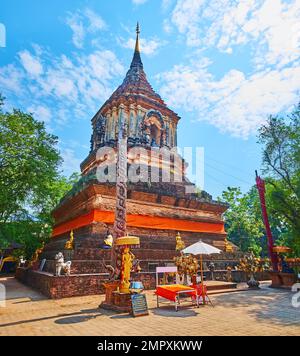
x: 154, y: 127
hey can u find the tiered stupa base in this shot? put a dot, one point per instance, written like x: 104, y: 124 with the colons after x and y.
x: 153, y: 215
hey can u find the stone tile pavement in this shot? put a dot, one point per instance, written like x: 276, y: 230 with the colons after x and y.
x: 263, y: 312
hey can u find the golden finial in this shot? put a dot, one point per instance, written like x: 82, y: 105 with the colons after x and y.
x: 137, y: 43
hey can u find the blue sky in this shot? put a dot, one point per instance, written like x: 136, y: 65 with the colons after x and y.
x: 222, y: 65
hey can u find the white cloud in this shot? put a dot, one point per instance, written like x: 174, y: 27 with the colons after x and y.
x: 186, y: 16
x: 236, y: 104
x: 148, y: 46
x: 74, y: 85
x: 83, y: 23
x: 166, y: 4
x: 71, y: 163
x: 167, y: 26
x: 76, y: 25
x: 31, y: 63
x: 139, y: 2
x: 271, y: 27
x: 96, y: 23
x: 11, y: 79
x: 41, y: 113
x: 276, y: 27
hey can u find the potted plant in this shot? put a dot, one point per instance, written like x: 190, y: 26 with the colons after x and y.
x: 250, y: 264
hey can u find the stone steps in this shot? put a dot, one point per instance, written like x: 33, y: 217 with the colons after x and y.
x: 216, y: 285
x: 226, y: 290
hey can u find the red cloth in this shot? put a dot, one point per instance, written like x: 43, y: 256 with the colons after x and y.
x: 170, y: 292
x: 199, y: 289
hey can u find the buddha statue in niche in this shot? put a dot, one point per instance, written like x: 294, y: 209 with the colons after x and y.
x: 153, y: 131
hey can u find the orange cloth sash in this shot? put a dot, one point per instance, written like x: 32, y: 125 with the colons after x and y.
x: 148, y: 222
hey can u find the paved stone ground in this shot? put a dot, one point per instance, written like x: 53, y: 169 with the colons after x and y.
x: 263, y: 312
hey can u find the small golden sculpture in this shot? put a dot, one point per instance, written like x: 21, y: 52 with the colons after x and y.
x: 127, y: 260
x: 187, y: 265
x: 180, y: 245
x: 228, y: 246
x: 35, y: 256
x: 70, y: 243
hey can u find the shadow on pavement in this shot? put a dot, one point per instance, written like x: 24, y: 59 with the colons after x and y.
x: 272, y: 305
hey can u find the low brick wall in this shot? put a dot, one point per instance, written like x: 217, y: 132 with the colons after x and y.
x: 64, y: 286
x: 92, y: 284
x: 147, y: 278
x: 237, y: 276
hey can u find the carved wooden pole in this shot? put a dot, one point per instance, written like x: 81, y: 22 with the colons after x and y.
x: 121, y: 188
x: 260, y: 183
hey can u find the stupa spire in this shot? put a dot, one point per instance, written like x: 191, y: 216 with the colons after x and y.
x: 137, y: 42
x: 137, y: 61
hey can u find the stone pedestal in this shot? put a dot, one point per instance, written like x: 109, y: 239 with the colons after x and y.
x: 282, y: 280
x: 116, y: 301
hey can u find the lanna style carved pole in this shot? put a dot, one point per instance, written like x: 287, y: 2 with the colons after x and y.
x: 121, y: 192
x: 260, y: 183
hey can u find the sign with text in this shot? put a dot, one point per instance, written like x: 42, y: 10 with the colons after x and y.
x: 139, y: 305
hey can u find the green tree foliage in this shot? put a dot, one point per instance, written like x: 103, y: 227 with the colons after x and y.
x: 30, y: 182
x: 243, y: 224
x: 280, y: 138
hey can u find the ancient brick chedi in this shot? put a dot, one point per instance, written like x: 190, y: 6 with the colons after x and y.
x: 156, y: 209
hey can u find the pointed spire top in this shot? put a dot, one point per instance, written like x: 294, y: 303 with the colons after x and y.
x: 137, y: 43
x: 136, y: 61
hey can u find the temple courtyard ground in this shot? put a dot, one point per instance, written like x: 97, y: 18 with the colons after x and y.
x: 263, y: 312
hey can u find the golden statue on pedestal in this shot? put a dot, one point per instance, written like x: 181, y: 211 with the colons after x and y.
x: 70, y: 243
x: 127, y: 260
x: 180, y: 245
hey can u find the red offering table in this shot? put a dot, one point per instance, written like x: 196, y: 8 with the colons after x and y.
x: 172, y: 293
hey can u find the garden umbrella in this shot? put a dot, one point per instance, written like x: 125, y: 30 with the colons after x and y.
x: 201, y: 248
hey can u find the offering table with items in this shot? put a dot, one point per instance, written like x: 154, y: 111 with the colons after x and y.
x: 173, y: 292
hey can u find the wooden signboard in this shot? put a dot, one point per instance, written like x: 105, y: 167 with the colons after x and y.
x: 139, y: 305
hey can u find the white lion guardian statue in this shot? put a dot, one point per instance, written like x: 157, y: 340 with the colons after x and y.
x: 60, y: 264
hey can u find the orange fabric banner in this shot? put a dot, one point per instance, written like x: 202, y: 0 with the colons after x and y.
x: 149, y: 222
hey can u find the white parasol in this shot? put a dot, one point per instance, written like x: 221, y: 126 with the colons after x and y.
x: 201, y: 248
